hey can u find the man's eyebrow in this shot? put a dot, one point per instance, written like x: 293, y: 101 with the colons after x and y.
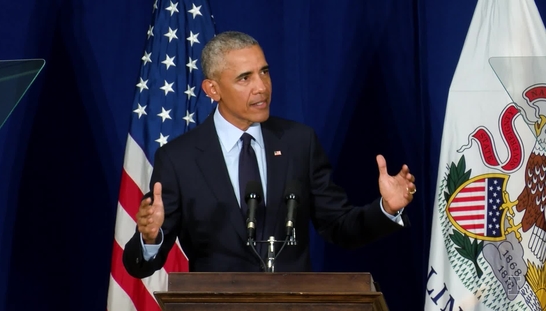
x: 243, y: 75
x: 248, y: 73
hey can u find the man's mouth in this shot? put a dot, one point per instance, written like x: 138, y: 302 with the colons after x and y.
x: 259, y: 104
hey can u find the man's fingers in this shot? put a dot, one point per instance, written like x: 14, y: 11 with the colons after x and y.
x: 411, y: 189
x: 145, y: 211
x: 144, y: 220
x: 381, y: 164
x: 404, y: 171
x: 147, y: 225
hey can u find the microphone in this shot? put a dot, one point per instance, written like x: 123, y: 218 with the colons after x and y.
x: 253, y: 197
x: 292, y: 196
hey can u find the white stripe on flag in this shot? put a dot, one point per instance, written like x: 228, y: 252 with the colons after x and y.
x: 125, y: 226
x: 136, y: 165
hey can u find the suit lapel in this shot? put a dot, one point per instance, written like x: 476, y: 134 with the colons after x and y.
x: 214, y: 170
x: 277, y: 162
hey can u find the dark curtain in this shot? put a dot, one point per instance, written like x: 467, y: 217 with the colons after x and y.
x: 371, y: 77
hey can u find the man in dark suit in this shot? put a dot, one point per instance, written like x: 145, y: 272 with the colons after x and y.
x: 196, y: 195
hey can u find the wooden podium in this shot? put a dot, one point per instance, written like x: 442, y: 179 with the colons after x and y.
x: 271, y: 291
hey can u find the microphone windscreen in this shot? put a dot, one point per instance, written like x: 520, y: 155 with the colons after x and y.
x: 293, y: 187
x: 253, y: 187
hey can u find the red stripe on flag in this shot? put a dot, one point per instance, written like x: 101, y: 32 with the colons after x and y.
x: 129, y: 195
x: 135, y: 289
x: 176, y: 261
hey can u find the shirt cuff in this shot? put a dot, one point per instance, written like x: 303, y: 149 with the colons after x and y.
x: 396, y: 218
x: 149, y: 251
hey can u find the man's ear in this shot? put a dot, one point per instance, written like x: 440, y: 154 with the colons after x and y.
x: 211, y: 89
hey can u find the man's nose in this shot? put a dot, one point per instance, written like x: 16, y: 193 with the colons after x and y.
x: 260, y: 86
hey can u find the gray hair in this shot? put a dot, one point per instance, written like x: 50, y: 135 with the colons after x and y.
x: 215, y: 50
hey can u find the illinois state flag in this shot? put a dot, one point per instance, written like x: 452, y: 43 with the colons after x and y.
x: 488, y: 239
x: 168, y: 102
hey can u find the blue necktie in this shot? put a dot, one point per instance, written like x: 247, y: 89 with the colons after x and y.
x: 249, y: 171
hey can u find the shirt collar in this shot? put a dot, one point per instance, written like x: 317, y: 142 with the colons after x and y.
x: 229, y: 135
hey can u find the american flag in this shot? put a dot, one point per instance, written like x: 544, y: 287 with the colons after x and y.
x: 168, y: 102
x: 476, y: 207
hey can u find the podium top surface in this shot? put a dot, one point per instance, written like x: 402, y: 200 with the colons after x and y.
x: 268, y: 282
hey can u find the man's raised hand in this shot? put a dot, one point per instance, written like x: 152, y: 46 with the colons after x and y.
x: 150, y: 216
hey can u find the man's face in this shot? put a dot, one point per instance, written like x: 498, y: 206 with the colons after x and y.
x: 243, y: 87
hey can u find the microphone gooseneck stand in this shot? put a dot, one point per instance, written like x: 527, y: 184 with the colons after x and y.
x: 271, y: 253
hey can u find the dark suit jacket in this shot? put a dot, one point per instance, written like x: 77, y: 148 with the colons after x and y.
x: 201, y: 208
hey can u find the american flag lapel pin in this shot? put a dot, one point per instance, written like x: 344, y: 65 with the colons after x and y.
x: 277, y: 153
